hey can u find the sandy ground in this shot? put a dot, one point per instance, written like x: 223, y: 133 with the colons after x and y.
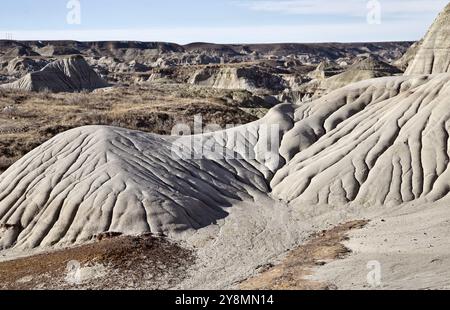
x: 293, y: 272
x: 409, y: 246
x: 408, y: 243
x: 254, y: 236
x: 309, y: 248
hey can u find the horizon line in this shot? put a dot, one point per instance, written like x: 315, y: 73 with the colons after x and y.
x: 208, y: 42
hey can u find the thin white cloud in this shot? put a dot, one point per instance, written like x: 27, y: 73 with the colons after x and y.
x: 342, y: 8
x: 418, y: 15
x: 265, y: 34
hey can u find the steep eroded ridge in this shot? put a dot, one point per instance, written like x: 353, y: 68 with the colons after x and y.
x: 378, y: 147
x: 433, y: 56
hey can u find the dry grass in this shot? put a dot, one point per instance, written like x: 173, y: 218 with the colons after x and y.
x: 32, y: 118
x: 292, y: 272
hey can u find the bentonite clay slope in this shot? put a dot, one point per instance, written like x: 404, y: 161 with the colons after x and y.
x: 363, y: 69
x: 249, y: 78
x: 408, y: 57
x: 102, y: 179
x: 434, y: 53
x: 65, y: 75
x: 382, y: 141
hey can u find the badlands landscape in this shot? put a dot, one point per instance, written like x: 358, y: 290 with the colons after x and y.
x: 337, y: 160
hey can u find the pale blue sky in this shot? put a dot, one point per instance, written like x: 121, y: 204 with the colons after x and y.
x: 220, y: 21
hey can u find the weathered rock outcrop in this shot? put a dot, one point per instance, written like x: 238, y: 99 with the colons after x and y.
x: 65, y: 75
x: 327, y: 78
x: 19, y: 51
x: 24, y: 65
x: 363, y: 69
x: 405, y: 61
x: 324, y: 70
x: 434, y: 53
x: 249, y: 78
x: 382, y: 141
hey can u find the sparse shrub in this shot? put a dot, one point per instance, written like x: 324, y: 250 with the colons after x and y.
x: 81, y: 98
x: 44, y: 94
x: 151, y: 108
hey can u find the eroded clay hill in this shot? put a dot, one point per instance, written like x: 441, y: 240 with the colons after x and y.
x: 433, y: 55
x: 363, y: 69
x: 65, y: 75
x: 251, y: 78
x: 98, y: 179
x: 382, y: 141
